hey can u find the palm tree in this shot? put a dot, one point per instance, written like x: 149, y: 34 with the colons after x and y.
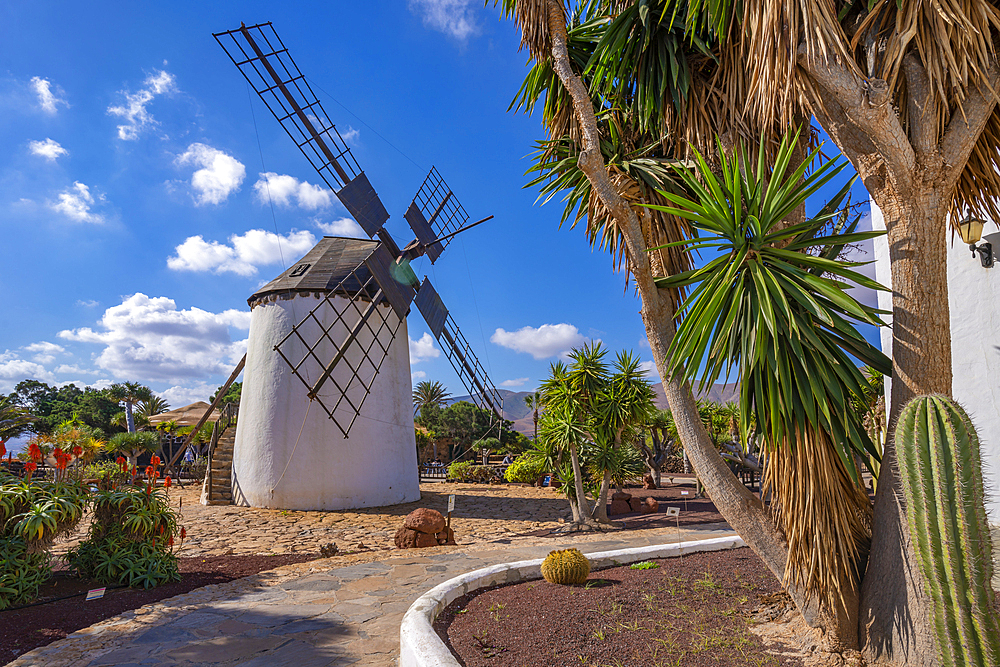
x: 154, y: 406
x: 610, y: 175
x: 134, y: 445
x: 533, y: 401
x: 429, y: 393
x: 129, y: 393
x: 14, y: 419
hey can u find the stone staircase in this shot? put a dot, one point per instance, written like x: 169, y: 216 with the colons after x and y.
x: 217, y: 489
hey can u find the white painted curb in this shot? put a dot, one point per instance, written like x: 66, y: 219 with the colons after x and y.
x: 419, y: 645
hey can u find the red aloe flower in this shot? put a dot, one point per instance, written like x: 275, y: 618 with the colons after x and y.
x: 3, y: 449
x: 170, y: 542
x: 155, y: 461
x: 35, y: 452
x: 166, y: 482
x: 31, y: 466
x: 183, y: 532
x: 77, y: 451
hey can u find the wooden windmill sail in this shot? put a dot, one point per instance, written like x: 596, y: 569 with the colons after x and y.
x: 371, y: 273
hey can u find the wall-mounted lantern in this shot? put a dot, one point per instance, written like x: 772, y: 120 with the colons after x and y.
x: 971, y: 230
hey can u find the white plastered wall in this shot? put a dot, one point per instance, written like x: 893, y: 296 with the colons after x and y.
x: 974, y: 303
x: 290, y: 454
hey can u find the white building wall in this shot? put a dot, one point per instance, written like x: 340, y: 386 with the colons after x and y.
x: 974, y: 303
x: 289, y: 454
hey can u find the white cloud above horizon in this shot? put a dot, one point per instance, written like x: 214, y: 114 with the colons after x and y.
x: 452, y: 17
x: 417, y: 375
x: 285, y: 190
x: 13, y: 369
x: 513, y: 384
x: 548, y: 340
x: 423, y: 349
x: 49, y: 149
x: 133, y: 110
x: 244, y: 254
x: 649, y: 367
x: 44, y: 351
x: 148, y: 339
x: 48, y: 95
x: 75, y: 203
x: 179, y: 396
x: 219, y: 174
x: 342, y: 227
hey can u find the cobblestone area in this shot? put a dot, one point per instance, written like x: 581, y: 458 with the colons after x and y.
x: 337, y: 611
x: 482, y: 514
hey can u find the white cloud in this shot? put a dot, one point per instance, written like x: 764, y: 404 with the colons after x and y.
x: 13, y: 369
x: 48, y: 149
x: 548, y: 340
x: 75, y: 203
x: 90, y: 303
x: 45, y: 352
x: 133, y: 111
x: 423, y: 349
x: 350, y: 135
x: 342, y: 227
x: 48, y: 98
x: 512, y: 384
x: 285, y: 190
x: 649, y: 367
x: 417, y: 375
x: 452, y: 17
x: 179, y: 396
x: 147, y: 339
x: 244, y: 254
x: 219, y: 176
x: 73, y: 368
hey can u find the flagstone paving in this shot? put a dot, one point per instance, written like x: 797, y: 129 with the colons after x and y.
x: 311, y: 614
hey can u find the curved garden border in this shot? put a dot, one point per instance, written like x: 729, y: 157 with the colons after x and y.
x: 419, y: 645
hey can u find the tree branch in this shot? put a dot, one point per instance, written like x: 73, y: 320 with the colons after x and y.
x: 922, y: 119
x: 867, y: 105
x: 967, y: 125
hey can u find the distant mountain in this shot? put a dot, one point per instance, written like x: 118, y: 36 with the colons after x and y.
x: 515, y: 409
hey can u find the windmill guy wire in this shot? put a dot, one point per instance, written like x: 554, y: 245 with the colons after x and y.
x: 267, y: 184
x: 360, y: 120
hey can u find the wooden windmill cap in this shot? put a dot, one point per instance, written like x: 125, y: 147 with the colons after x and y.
x: 328, y: 267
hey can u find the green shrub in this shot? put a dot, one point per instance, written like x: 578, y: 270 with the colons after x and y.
x: 130, y: 540
x: 525, y: 468
x: 107, y: 473
x: 460, y: 470
x: 32, y: 515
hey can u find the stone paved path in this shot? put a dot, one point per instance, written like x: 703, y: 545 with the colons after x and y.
x: 306, y: 615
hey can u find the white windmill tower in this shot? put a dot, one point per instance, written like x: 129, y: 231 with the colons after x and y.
x: 326, y: 417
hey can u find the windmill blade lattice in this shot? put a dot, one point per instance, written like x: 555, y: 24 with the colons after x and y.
x: 457, y: 350
x: 435, y: 212
x: 351, y: 348
x: 267, y: 65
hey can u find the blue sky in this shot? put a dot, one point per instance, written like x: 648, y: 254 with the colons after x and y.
x: 130, y: 198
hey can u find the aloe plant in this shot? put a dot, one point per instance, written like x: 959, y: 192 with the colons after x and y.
x: 940, y: 467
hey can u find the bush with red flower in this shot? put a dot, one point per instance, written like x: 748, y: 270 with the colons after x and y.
x: 131, y: 539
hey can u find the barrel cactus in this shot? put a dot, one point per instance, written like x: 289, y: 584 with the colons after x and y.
x: 941, y: 473
x: 568, y: 566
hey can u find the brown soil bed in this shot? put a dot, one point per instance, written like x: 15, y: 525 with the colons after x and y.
x: 694, y: 611
x: 30, y: 627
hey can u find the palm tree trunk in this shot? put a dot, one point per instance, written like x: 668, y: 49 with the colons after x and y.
x: 580, y: 516
x: 744, y: 511
x: 129, y: 418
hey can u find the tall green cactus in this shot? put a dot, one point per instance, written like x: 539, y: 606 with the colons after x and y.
x: 938, y: 457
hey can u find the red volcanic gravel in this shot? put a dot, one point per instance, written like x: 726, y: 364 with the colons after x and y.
x: 24, y: 629
x: 693, y: 611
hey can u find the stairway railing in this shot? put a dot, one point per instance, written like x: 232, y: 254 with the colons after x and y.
x: 227, y: 417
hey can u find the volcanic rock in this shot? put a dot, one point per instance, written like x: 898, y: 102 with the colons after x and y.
x: 424, y: 520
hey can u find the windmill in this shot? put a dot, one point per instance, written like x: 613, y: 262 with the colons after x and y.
x: 325, y: 417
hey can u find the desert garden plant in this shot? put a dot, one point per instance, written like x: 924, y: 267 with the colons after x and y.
x: 32, y: 515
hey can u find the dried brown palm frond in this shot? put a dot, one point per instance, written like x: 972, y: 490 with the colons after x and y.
x: 824, y: 515
x: 975, y: 192
x: 532, y: 18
